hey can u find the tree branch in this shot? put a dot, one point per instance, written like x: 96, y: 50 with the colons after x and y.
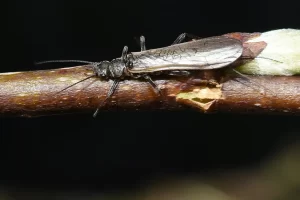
x: 34, y: 93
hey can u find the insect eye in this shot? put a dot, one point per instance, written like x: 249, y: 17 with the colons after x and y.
x: 130, y: 64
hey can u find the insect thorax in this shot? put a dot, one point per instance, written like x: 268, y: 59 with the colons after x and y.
x: 114, y: 69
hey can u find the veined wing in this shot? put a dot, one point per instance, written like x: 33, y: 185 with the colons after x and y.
x: 207, y: 53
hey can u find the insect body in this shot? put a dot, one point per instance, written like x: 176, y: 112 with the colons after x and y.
x: 203, y: 54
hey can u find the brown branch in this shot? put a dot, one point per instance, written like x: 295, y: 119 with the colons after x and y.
x: 33, y: 93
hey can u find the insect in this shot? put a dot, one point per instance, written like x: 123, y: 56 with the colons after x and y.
x: 179, y: 58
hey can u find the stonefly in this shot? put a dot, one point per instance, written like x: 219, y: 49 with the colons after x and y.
x: 179, y: 58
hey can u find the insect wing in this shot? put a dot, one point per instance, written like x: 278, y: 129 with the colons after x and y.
x: 207, y: 53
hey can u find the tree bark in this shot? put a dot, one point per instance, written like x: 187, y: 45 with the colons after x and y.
x: 34, y: 93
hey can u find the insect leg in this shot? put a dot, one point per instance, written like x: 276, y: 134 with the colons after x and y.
x: 148, y: 78
x: 143, y: 43
x: 183, y: 36
x: 109, y: 94
x: 124, y: 53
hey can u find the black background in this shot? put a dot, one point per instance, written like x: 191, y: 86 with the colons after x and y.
x: 121, y: 149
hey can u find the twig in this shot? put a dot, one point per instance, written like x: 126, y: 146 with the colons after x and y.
x: 34, y: 93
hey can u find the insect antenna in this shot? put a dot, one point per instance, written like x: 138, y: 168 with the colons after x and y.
x: 77, y: 83
x: 63, y: 61
x: 68, y: 61
x: 109, y: 94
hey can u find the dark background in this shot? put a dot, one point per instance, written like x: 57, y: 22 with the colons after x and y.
x: 119, y: 150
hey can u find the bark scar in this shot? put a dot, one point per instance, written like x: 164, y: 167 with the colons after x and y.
x: 202, y: 98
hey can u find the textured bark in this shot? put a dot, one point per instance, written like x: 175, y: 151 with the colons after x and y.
x: 34, y: 93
